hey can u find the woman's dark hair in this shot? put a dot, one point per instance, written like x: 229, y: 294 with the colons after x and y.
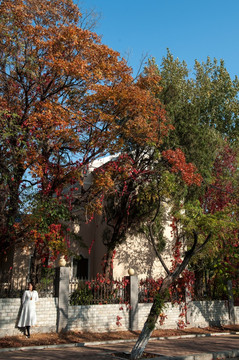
x: 31, y: 283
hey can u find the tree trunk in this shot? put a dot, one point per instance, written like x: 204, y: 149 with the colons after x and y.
x: 141, y: 343
x: 35, y: 271
x: 145, y: 334
x: 150, y: 323
x: 108, y: 265
x: 158, y: 303
x: 231, y: 310
x: 199, y: 284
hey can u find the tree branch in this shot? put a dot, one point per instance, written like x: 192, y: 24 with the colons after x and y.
x: 205, y: 242
x: 189, y: 254
x: 156, y: 250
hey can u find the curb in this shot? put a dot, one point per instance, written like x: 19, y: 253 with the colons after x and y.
x: 203, y: 356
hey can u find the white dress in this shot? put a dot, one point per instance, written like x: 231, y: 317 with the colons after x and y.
x: 28, y: 314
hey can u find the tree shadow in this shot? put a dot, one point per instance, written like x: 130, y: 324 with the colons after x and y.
x: 138, y: 253
x: 212, y: 313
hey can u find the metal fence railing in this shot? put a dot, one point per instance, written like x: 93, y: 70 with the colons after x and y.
x: 10, y: 287
x: 13, y: 287
x: 149, y: 287
x: 147, y: 290
x: 98, y: 291
x: 47, y: 284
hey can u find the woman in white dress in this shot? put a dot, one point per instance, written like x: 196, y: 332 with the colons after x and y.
x: 28, y: 313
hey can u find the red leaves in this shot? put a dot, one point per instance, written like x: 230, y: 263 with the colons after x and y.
x: 222, y: 192
x: 118, y: 318
x: 52, y: 243
x: 188, y: 171
x: 177, y: 291
x: 181, y: 324
x: 162, y: 318
x: 91, y: 245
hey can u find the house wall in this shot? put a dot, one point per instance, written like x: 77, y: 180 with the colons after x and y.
x: 6, y: 261
x: 138, y: 253
x: 91, y: 234
x: 21, y: 267
x: 103, y: 318
x: 92, y: 246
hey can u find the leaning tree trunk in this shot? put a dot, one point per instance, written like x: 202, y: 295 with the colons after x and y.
x: 150, y: 323
x: 158, y: 303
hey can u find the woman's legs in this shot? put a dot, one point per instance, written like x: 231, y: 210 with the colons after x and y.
x: 28, y: 331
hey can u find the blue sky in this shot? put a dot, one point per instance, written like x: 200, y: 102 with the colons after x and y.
x: 191, y: 29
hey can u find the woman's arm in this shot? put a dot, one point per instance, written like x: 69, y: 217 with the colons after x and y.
x: 24, y: 297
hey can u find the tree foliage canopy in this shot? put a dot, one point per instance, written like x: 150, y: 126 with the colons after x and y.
x: 65, y: 100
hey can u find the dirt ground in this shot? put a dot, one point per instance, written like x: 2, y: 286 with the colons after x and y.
x: 75, y: 337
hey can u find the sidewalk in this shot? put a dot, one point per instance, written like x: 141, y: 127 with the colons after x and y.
x: 187, y: 347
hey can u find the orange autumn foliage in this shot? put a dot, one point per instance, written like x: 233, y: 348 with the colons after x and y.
x: 65, y: 100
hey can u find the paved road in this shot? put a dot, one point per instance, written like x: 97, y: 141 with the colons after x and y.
x: 59, y: 353
x: 168, y: 348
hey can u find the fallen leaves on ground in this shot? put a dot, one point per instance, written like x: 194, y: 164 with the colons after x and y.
x: 82, y: 337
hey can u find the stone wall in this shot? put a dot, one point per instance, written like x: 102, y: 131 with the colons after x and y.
x: 9, y: 314
x: 236, y: 309
x: 204, y: 313
x: 103, y: 318
x: 46, y: 309
x: 55, y: 314
x: 171, y: 311
x: 99, y: 318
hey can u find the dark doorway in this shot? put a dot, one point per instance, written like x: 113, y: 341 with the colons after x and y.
x: 80, y: 268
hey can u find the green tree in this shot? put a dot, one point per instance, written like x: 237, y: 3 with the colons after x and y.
x: 220, y: 263
x: 162, y: 173
x: 204, y: 112
x: 202, y: 106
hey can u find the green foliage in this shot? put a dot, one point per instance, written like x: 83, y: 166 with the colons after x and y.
x: 48, y: 211
x: 81, y: 296
x: 159, y: 303
x: 47, y: 280
x: 203, y: 108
